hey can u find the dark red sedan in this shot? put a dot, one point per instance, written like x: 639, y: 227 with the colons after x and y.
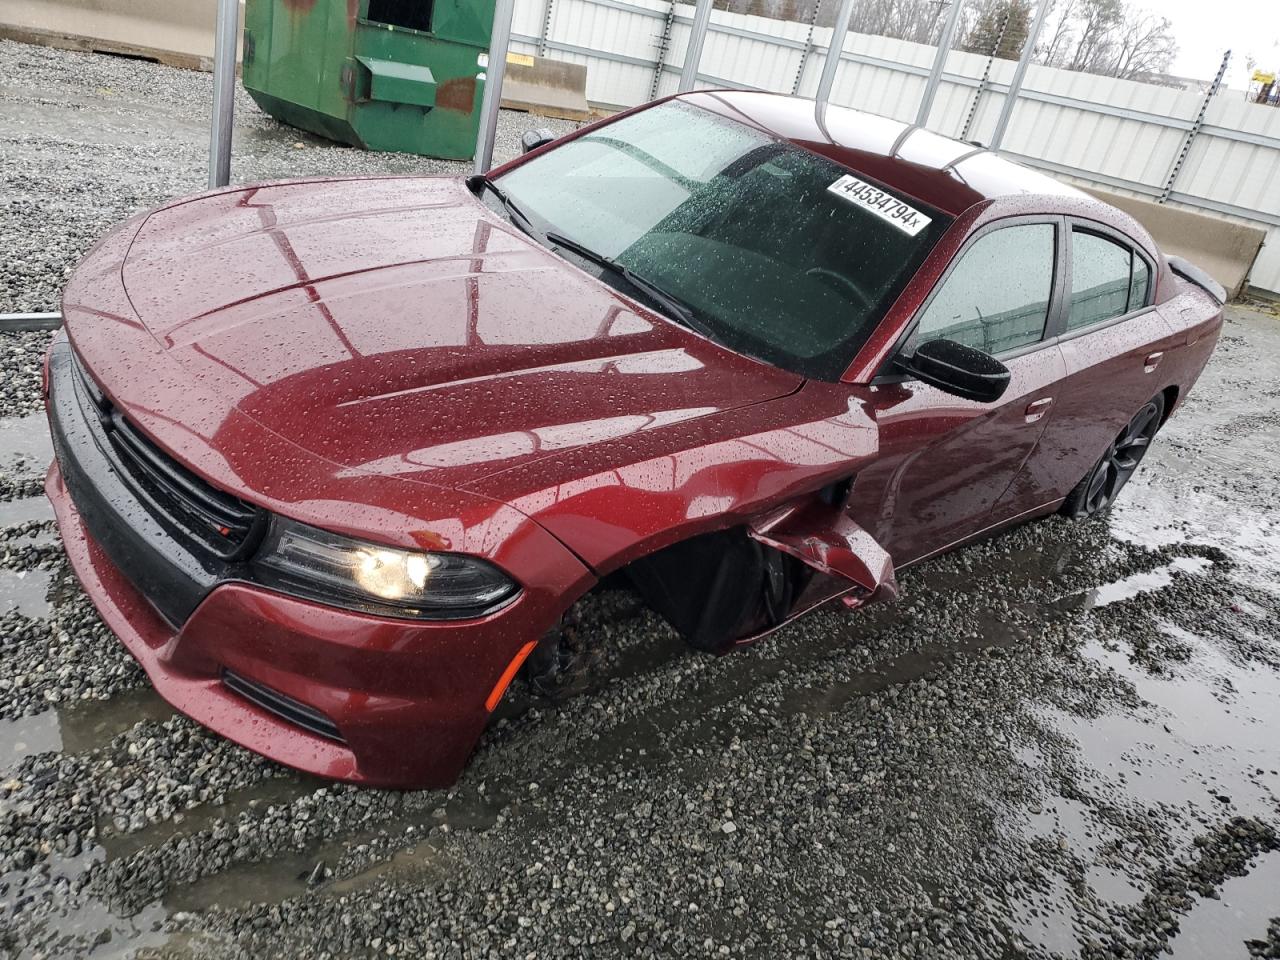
x: 334, y: 457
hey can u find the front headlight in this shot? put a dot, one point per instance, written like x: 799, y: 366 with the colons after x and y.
x: 308, y: 562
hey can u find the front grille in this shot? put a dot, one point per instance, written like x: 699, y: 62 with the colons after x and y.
x: 273, y: 701
x: 224, y: 525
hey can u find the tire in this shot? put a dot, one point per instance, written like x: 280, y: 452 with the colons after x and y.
x: 560, y: 663
x: 1100, y: 487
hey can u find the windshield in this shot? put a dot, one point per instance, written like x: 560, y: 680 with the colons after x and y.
x: 779, y: 253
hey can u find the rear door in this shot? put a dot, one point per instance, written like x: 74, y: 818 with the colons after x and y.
x: 946, y: 462
x: 1113, y: 343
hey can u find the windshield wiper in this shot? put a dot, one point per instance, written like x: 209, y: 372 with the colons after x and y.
x: 681, y: 312
x: 518, y: 216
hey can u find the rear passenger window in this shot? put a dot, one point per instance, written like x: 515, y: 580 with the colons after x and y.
x: 1107, y: 280
x: 997, y: 297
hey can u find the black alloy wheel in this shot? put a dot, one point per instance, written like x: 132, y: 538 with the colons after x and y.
x: 1103, y: 483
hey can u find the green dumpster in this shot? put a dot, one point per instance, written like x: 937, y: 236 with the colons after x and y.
x: 404, y: 75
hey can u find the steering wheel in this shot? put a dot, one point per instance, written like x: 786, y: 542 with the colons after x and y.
x: 840, y: 281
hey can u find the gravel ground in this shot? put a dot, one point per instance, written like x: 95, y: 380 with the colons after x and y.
x: 1059, y: 742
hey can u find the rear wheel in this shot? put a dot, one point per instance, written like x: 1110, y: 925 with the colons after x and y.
x: 1102, y: 484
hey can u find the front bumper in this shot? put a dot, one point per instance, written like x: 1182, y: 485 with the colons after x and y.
x: 408, y: 699
x: 332, y: 692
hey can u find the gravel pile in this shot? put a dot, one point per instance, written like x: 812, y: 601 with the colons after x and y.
x: 1046, y: 747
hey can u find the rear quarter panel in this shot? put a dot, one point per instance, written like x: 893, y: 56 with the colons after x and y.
x: 1196, y: 320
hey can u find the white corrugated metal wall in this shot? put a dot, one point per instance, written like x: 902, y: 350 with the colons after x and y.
x: 1117, y: 134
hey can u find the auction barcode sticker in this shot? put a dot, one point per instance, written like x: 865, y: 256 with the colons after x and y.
x: 885, y: 206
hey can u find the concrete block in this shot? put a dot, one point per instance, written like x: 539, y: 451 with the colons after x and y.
x: 176, y: 32
x: 551, y: 88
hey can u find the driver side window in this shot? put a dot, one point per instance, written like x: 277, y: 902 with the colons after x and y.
x: 997, y: 297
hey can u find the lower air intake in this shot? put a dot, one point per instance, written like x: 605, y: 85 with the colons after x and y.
x: 299, y: 714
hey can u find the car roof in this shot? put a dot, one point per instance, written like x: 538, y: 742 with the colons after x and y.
x: 949, y: 175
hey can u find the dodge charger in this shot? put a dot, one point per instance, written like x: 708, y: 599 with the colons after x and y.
x: 336, y: 458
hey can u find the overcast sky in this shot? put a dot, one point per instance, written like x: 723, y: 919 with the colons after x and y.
x: 1206, y: 30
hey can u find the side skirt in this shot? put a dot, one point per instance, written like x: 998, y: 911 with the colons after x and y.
x: 989, y: 530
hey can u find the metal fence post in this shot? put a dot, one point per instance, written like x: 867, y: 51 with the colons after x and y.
x: 693, y: 53
x: 546, y: 28
x: 838, y: 34
x: 1011, y: 98
x: 939, y: 62
x: 226, y: 28
x: 986, y: 76
x: 664, y: 45
x: 1195, y: 129
x: 808, y: 47
x: 495, y: 70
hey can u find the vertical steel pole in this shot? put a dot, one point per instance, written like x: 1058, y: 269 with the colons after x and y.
x: 939, y: 62
x: 841, y: 30
x: 1011, y: 98
x: 226, y: 29
x: 496, y: 69
x: 693, y: 52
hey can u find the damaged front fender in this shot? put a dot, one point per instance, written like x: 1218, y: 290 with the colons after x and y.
x: 733, y: 587
x: 825, y: 538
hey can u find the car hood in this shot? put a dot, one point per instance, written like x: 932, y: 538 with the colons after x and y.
x: 396, y: 326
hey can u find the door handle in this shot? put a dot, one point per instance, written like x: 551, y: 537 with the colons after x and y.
x: 1036, y: 409
x: 1153, y: 360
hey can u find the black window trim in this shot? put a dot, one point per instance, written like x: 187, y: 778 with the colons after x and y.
x: 1135, y: 250
x: 1054, y: 321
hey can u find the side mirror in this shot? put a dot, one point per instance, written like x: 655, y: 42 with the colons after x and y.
x: 533, y: 139
x: 959, y: 370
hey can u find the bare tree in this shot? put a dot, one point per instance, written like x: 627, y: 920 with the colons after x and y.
x: 1061, y: 31
x: 1098, y: 19
x: 999, y: 29
x: 1109, y: 37
x: 1115, y: 38
x: 1143, y: 47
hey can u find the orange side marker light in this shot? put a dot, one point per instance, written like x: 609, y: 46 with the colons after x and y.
x: 508, y: 675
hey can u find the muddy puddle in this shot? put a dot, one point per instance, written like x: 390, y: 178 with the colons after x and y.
x: 79, y: 727
x: 1204, y: 738
x: 25, y: 510
x: 25, y: 446
x: 87, y: 920
x: 399, y: 846
x: 1225, y: 927
x: 27, y: 592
